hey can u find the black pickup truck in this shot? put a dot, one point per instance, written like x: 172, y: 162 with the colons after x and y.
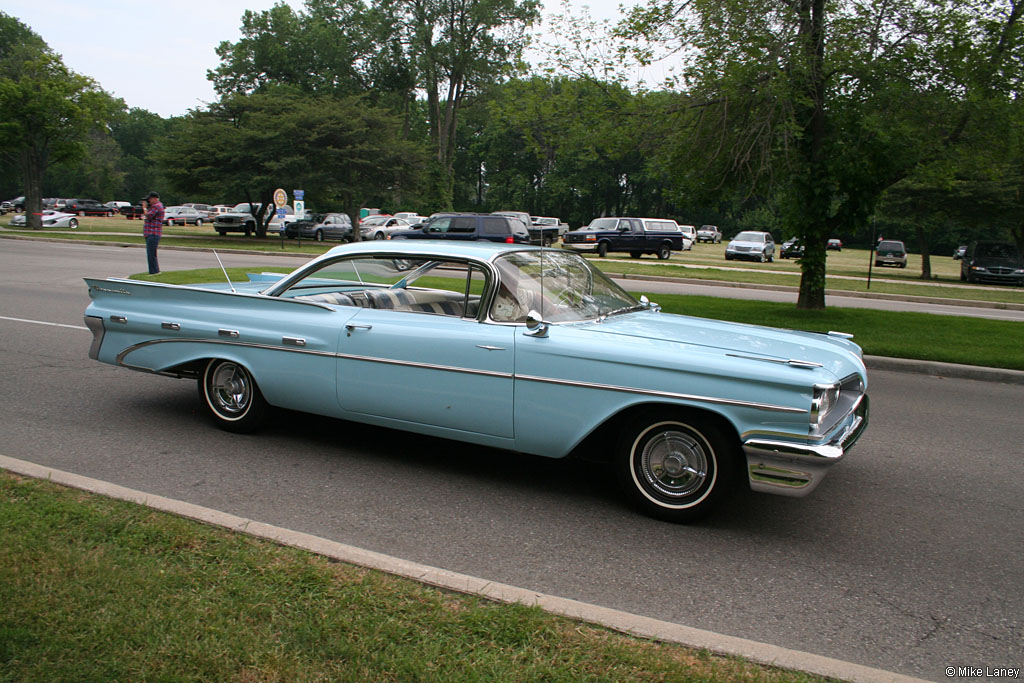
x: 636, y: 236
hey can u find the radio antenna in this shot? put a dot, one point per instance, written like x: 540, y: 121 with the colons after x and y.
x: 225, y: 271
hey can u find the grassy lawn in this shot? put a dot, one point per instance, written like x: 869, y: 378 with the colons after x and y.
x: 920, y: 336
x: 104, y: 590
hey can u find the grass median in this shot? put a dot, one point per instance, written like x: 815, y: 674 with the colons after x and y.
x: 918, y: 336
x: 98, y: 589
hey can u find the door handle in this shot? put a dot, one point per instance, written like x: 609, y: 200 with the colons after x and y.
x: 350, y: 327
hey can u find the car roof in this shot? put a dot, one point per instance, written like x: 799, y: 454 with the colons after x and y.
x: 484, y: 251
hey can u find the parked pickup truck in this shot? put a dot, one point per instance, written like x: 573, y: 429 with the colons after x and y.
x: 636, y: 236
x: 132, y: 211
x: 549, y: 229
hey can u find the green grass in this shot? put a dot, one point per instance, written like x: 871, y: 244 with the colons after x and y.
x: 95, y: 589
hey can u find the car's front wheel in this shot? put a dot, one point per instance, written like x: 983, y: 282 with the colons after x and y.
x: 73, y: 223
x: 602, y: 249
x: 674, y: 467
x: 232, y: 397
x: 199, y: 222
x: 319, y: 235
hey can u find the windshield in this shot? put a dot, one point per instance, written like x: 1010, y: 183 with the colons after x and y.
x: 749, y: 237
x: 560, y: 287
x: 997, y: 250
x: 602, y: 224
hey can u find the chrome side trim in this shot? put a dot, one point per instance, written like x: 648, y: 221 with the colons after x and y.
x: 470, y: 371
x: 428, y: 366
x: 664, y: 394
x: 228, y: 333
x: 119, y: 319
x: 252, y: 345
x: 796, y: 363
x: 170, y: 326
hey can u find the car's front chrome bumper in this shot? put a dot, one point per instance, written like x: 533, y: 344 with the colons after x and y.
x: 581, y: 246
x: 795, y: 469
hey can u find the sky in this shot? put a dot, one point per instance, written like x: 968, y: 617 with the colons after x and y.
x: 155, y: 55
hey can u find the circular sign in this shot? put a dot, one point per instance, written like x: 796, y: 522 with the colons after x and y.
x: 280, y: 197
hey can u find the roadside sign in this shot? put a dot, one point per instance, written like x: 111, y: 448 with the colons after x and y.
x: 281, y: 213
x: 300, y: 206
x: 280, y: 197
x: 299, y: 194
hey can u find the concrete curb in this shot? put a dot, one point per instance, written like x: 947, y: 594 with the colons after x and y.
x: 624, y: 622
x: 938, y: 369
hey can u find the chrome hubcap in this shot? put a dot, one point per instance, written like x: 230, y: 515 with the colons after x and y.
x: 674, y: 464
x: 230, y: 389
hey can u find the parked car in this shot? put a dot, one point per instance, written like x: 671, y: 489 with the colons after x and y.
x: 754, y: 245
x: 709, y: 233
x: 536, y: 235
x: 114, y: 206
x: 50, y: 219
x: 996, y: 262
x: 183, y: 215
x: 87, y: 207
x: 467, y: 227
x: 322, y: 226
x: 834, y: 245
x: 891, y: 253
x: 546, y: 230
x: 17, y: 204
x: 689, y: 236
x: 411, y: 216
x: 381, y: 227
x: 133, y: 211
x: 205, y: 209
x: 959, y: 253
x: 478, y: 341
x: 791, y: 248
x: 6, y: 207
x: 629, y: 235
x: 242, y: 218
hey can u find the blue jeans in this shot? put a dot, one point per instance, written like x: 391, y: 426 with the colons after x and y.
x: 152, y: 241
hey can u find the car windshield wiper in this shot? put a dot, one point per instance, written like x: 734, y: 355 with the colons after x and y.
x: 624, y: 309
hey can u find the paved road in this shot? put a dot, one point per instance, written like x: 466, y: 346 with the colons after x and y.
x: 907, y: 558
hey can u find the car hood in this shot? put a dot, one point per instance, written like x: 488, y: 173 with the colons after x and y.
x: 837, y: 355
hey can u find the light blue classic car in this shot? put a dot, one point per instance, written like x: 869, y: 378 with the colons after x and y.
x: 511, y: 346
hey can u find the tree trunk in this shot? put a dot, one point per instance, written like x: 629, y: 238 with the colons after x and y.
x: 33, y: 164
x: 924, y: 244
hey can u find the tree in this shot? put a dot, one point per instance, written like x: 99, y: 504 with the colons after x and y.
x: 342, y: 152
x: 826, y: 105
x: 46, y: 110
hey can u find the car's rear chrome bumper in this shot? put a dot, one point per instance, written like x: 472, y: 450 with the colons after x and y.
x: 795, y: 469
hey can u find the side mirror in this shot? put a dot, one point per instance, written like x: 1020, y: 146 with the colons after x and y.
x: 536, y: 326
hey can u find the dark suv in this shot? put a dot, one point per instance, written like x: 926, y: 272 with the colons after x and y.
x: 468, y: 226
x: 992, y: 262
x: 87, y: 207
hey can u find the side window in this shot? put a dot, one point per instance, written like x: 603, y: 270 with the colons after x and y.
x: 463, y: 224
x: 440, y: 225
x: 494, y: 225
x: 636, y: 226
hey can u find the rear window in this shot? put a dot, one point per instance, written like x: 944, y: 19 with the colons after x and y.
x: 661, y: 226
x: 890, y: 246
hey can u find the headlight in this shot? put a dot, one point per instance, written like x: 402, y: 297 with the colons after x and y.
x: 826, y: 396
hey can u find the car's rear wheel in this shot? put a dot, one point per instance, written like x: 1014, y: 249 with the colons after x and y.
x: 73, y: 223
x: 664, y: 252
x: 635, y: 254
x: 673, y: 466
x: 232, y: 397
x: 602, y: 249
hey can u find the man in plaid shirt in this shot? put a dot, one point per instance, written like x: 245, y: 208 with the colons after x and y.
x: 152, y: 228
